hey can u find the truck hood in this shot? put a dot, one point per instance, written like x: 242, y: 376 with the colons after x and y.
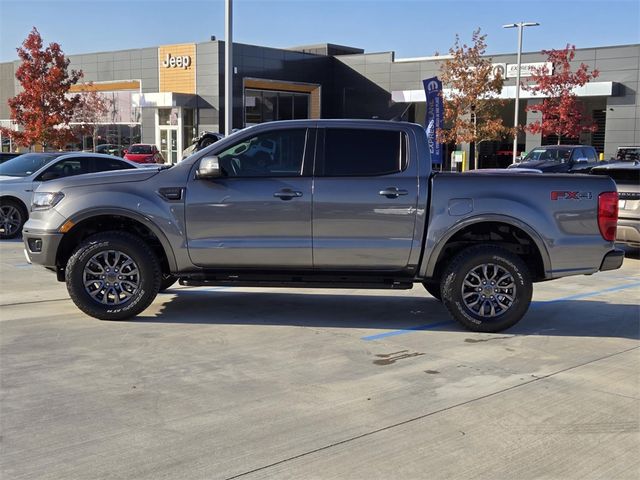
x: 99, y: 178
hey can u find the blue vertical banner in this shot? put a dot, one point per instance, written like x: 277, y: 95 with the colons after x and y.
x: 434, y: 117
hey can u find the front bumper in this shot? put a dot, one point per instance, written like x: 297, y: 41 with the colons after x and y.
x: 612, y: 260
x: 41, y: 247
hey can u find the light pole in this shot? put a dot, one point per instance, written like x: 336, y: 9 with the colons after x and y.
x: 228, y: 67
x: 520, y: 26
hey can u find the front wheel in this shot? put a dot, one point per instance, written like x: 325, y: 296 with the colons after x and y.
x: 487, y: 288
x: 113, y: 276
x: 12, y: 217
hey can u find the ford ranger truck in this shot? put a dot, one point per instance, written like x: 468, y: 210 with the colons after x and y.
x: 322, y: 203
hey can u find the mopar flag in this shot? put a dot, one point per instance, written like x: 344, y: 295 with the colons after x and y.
x: 435, y: 111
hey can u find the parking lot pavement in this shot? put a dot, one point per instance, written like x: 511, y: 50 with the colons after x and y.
x: 274, y: 383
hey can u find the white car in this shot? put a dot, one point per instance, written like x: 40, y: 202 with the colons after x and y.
x: 21, y: 175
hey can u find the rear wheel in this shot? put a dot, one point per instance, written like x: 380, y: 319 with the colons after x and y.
x: 113, y: 276
x: 487, y: 288
x: 13, y: 215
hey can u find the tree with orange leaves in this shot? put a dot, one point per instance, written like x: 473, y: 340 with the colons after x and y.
x: 471, y: 108
x: 562, y: 113
x: 44, y: 108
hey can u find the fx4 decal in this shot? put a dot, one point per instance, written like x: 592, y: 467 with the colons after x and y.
x: 571, y: 195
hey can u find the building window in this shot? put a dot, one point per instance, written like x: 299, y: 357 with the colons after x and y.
x: 266, y: 105
x: 168, y: 116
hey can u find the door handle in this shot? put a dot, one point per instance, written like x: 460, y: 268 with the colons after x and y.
x: 287, y: 194
x: 393, y: 192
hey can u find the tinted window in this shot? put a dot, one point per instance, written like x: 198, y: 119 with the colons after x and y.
x: 108, y: 164
x: 621, y: 175
x: 591, y: 155
x: 66, y: 168
x: 26, y: 164
x: 138, y: 149
x: 273, y: 154
x: 359, y: 152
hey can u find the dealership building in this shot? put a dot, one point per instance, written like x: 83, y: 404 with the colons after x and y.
x: 167, y: 95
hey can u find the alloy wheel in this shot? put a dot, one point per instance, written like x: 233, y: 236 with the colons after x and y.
x: 111, y: 277
x: 488, y: 290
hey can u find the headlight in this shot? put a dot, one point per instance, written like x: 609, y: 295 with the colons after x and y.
x: 46, y: 200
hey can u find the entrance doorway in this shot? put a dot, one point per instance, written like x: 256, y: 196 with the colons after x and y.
x: 169, y: 144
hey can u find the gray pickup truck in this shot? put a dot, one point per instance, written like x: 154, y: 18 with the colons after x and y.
x: 322, y: 203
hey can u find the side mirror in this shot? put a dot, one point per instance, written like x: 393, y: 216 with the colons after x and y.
x: 209, y: 168
x: 125, y: 151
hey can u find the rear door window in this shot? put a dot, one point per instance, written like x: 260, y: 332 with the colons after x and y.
x: 350, y: 152
x: 109, y: 164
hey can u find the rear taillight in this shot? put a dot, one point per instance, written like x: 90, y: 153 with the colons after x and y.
x: 608, y: 215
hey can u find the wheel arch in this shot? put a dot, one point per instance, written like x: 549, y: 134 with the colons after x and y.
x: 538, y: 259
x: 19, y: 201
x: 88, y: 222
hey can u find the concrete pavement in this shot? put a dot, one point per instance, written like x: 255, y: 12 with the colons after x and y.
x: 327, y: 384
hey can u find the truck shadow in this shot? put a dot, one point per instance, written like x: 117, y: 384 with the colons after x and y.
x: 384, y: 312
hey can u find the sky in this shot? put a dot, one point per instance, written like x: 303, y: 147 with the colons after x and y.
x: 411, y: 28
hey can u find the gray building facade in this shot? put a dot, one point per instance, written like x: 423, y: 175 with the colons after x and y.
x: 169, y: 94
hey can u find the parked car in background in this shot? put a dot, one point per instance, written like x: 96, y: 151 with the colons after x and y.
x: 560, y: 159
x: 143, y: 153
x: 203, y: 140
x: 627, y: 154
x: 627, y: 178
x: 20, y: 176
x: 110, y: 149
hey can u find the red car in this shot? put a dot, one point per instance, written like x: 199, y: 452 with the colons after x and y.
x: 143, y: 153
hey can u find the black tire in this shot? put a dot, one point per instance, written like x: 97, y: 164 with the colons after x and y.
x: 13, y: 216
x: 433, y: 288
x: 148, y: 276
x: 167, y: 281
x: 500, y: 307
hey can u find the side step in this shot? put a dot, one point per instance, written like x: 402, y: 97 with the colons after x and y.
x: 360, y: 284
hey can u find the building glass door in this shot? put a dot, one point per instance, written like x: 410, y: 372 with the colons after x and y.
x: 169, y: 144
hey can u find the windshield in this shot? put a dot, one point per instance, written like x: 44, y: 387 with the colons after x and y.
x: 628, y: 154
x: 560, y: 155
x: 25, y: 165
x: 140, y: 149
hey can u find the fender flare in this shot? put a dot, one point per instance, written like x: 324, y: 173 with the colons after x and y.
x: 430, y: 267
x: 123, y: 212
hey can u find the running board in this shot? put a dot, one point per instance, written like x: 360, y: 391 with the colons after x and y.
x: 383, y: 285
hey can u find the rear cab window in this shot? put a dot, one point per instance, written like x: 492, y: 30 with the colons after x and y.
x: 353, y: 152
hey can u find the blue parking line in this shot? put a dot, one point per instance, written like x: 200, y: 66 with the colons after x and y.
x: 393, y: 333
x: 430, y: 326
x: 592, y: 294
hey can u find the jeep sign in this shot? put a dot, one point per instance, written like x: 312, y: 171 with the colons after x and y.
x: 183, y: 61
